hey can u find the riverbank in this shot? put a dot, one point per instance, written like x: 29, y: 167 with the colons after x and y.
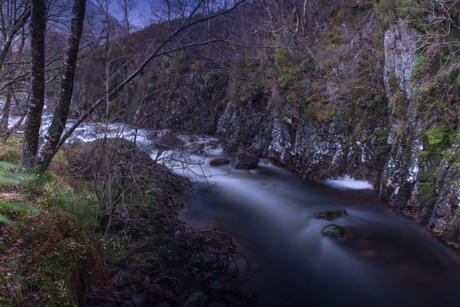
x: 53, y: 251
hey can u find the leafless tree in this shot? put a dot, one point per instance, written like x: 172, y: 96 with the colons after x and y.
x: 14, y: 16
x: 32, y: 158
x: 126, y: 8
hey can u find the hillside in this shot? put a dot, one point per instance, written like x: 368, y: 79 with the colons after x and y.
x: 356, y: 88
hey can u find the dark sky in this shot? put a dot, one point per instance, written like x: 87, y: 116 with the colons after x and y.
x: 141, y: 14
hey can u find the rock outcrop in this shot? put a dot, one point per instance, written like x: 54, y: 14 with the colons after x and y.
x: 340, y: 108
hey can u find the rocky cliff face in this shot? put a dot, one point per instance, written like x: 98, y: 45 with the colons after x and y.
x: 355, y: 105
x: 415, y: 180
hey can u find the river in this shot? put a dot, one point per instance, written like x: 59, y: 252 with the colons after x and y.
x: 271, y: 214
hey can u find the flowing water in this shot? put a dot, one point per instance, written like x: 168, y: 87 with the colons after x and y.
x: 271, y: 214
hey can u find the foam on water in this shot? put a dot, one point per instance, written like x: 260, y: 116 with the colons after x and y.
x: 348, y: 183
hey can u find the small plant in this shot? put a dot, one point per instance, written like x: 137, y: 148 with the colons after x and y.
x: 113, y: 249
x: 82, y: 206
x: 419, y: 67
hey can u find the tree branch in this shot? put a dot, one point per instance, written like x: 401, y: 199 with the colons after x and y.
x: 156, y: 53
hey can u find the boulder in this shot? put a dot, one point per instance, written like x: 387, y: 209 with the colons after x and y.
x: 168, y: 142
x: 331, y: 215
x: 196, y: 299
x: 196, y: 148
x: 138, y: 299
x: 219, y: 162
x: 337, y: 232
x: 245, y: 161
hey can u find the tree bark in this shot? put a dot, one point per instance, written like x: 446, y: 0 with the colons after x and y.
x: 37, y: 99
x: 48, y: 149
x: 6, y: 110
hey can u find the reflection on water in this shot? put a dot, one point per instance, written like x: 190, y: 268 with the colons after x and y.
x: 271, y: 213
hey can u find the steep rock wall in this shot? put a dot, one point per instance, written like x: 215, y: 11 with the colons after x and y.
x: 388, y: 150
x: 348, y: 105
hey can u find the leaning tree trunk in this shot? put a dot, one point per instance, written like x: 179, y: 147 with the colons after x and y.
x: 49, y: 147
x: 37, y: 99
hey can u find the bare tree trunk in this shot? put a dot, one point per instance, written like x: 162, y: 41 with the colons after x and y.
x: 6, y: 134
x: 18, y: 24
x: 48, y: 149
x: 6, y: 110
x: 37, y: 101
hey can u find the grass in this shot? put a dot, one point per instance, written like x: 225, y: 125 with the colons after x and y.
x: 10, y: 207
x: 12, y: 179
x: 45, y: 252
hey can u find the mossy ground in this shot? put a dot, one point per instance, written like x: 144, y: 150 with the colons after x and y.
x: 53, y: 251
x: 45, y: 254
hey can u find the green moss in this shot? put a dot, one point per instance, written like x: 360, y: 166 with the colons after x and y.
x: 440, y: 136
x: 420, y: 66
x: 388, y: 11
x: 427, y: 186
x: 184, y: 62
x: 8, y: 178
x: 55, y: 267
x: 248, y: 80
x: 333, y: 36
x: 393, y: 84
x: 322, y: 111
x: 11, y: 150
x: 7, y: 166
x: 113, y: 249
x: 11, y: 208
x: 80, y: 205
x: 399, y: 104
x: 5, y: 220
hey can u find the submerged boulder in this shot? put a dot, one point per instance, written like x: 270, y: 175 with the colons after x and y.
x: 196, y: 299
x: 219, y: 162
x: 245, y: 161
x: 337, y: 232
x: 331, y: 215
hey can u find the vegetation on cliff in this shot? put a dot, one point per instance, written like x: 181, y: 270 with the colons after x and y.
x: 367, y: 88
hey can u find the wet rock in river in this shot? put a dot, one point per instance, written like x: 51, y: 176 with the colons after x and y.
x: 122, y: 279
x: 196, y: 148
x: 219, y: 162
x: 337, y: 232
x: 196, y: 299
x: 245, y: 161
x: 138, y: 299
x: 168, y: 142
x: 331, y: 215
